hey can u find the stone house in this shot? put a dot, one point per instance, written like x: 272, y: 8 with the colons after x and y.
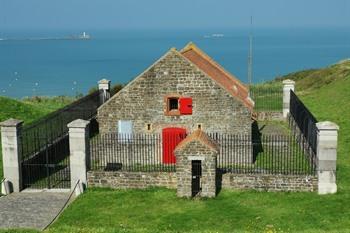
x: 181, y: 92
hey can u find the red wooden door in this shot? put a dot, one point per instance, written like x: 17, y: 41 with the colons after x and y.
x: 171, y: 138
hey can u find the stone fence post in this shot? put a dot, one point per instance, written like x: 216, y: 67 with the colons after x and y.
x: 105, y: 86
x: 79, y: 152
x: 11, y: 155
x: 287, y: 86
x: 327, y: 138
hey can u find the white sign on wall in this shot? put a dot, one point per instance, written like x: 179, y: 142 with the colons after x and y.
x: 125, y: 130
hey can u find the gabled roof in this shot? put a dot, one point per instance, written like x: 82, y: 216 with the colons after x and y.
x: 226, y: 80
x: 201, y: 137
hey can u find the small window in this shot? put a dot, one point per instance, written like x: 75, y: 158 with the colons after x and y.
x: 148, y: 127
x: 199, y: 126
x: 177, y: 105
x: 173, y: 104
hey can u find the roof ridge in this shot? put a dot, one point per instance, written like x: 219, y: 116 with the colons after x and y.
x: 242, y: 95
x: 194, y: 47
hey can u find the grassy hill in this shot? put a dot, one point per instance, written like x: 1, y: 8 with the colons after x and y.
x: 29, y: 110
x: 326, y: 92
x: 332, y: 102
x: 309, y: 81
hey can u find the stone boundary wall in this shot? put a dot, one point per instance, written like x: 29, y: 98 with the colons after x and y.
x: 270, y: 183
x: 126, y: 180
x: 259, y: 182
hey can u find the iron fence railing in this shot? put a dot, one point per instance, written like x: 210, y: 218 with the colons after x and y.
x: 267, y: 98
x: 53, y: 127
x: 44, y: 144
x: 262, y: 154
x: 126, y: 152
x: 239, y: 153
x: 304, y: 120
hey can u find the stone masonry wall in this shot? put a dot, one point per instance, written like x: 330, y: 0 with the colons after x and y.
x: 143, y: 101
x: 124, y: 180
x: 270, y: 183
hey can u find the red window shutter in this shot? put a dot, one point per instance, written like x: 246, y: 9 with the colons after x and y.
x: 185, y: 106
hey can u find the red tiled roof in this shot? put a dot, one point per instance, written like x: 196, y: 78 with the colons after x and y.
x: 197, y: 135
x: 229, y: 82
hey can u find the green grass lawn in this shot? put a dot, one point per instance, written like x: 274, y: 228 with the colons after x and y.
x: 159, y: 210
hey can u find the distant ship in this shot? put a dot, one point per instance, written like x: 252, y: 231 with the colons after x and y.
x: 84, y: 36
x: 217, y: 35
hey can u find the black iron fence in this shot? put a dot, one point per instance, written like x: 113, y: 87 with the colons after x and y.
x: 54, y: 125
x: 126, y: 152
x: 302, y: 122
x: 48, y: 167
x: 252, y: 154
x: 45, y: 144
x: 262, y: 154
x: 267, y: 98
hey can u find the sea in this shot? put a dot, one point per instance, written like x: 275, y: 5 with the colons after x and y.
x: 30, y: 66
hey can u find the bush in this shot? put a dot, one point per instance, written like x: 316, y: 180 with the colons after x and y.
x: 116, y: 88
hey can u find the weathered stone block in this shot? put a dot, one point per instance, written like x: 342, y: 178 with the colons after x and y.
x: 11, y: 155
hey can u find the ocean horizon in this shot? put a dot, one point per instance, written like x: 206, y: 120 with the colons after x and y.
x: 67, y: 67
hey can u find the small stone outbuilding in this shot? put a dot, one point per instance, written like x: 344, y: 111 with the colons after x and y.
x: 196, y: 159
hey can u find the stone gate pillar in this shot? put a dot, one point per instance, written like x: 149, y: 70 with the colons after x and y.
x: 196, y: 147
x: 79, y: 152
x: 287, y: 86
x: 104, y: 85
x: 327, y: 140
x: 11, y: 155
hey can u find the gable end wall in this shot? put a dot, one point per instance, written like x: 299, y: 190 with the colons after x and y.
x: 142, y: 101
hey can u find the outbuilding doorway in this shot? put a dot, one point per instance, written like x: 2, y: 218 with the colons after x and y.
x: 196, y: 176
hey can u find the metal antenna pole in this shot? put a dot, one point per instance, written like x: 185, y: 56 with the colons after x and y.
x: 250, y: 55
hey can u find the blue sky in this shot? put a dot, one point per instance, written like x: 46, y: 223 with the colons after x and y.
x: 172, y: 14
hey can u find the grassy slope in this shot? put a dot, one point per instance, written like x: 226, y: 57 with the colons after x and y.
x: 326, y: 92
x: 28, y: 110
x: 310, y: 81
x: 158, y: 210
x: 332, y: 102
